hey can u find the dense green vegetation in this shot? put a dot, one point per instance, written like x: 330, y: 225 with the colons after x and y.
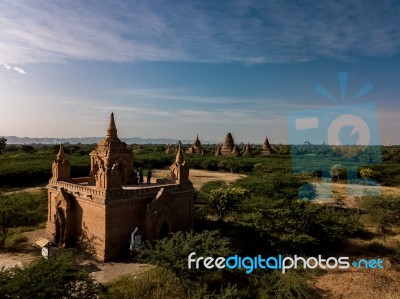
x: 3, y: 143
x: 52, y: 278
x: 258, y: 214
x: 383, y: 212
x: 22, y: 166
x: 28, y: 165
x: 17, y: 211
x: 172, y: 278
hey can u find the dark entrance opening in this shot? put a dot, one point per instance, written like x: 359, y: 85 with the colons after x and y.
x: 60, y: 227
x: 164, y: 230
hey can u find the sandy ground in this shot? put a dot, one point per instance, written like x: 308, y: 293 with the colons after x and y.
x: 361, y: 283
x: 355, y: 283
x: 351, y: 191
x: 102, y: 272
x: 199, y: 177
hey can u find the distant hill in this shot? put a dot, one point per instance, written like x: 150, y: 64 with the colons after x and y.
x: 91, y: 140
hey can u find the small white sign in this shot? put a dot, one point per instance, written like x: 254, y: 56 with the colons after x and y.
x: 45, y: 252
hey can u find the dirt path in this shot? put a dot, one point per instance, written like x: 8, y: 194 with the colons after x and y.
x: 101, y: 272
x: 199, y: 177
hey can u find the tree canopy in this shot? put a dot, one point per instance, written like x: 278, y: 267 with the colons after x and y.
x: 2, y: 144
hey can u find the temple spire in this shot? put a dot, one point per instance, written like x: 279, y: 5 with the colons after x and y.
x: 61, y: 153
x: 179, y: 155
x: 112, y: 130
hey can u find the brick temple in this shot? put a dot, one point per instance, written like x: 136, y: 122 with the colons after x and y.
x: 99, y: 212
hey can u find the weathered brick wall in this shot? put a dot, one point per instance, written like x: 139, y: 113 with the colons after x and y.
x: 121, y: 219
x: 103, y: 226
x: 90, y: 230
x: 183, y: 209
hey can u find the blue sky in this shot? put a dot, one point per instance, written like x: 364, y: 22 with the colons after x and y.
x: 180, y: 68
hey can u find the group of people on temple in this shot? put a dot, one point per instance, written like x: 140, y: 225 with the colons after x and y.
x: 138, y: 176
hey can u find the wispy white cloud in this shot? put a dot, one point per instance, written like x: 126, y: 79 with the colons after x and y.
x: 19, y: 70
x: 182, y: 116
x: 210, y: 31
x: 181, y: 95
x: 15, y: 68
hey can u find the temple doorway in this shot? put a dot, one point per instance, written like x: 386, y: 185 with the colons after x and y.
x: 164, y: 230
x: 59, y: 237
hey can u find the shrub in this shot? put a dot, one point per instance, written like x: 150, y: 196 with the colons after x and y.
x: 21, y: 209
x: 152, y: 283
x: 292, y: 284
x: 383, y: 211
x: 172, y: 253
x: 14, y: 241
x: 47, y: 278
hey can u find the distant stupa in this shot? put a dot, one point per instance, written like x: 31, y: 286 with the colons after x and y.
x: 247, y: 150
x: 228, y: 147
x: 266, y: 149
x: 196, y: 147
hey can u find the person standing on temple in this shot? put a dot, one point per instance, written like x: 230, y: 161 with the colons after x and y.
x: 138, y: 176
x: 148, y: 176
x: 135, y: 180
x: 141, y: 176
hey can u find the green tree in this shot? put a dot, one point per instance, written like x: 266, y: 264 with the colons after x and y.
x: 338, y: 171
x: 29, y: 149
x: 224, y: 200
x: 366, y: 173
x: 2, y: 144
x: 302, y: 225
x: 47, y: 278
